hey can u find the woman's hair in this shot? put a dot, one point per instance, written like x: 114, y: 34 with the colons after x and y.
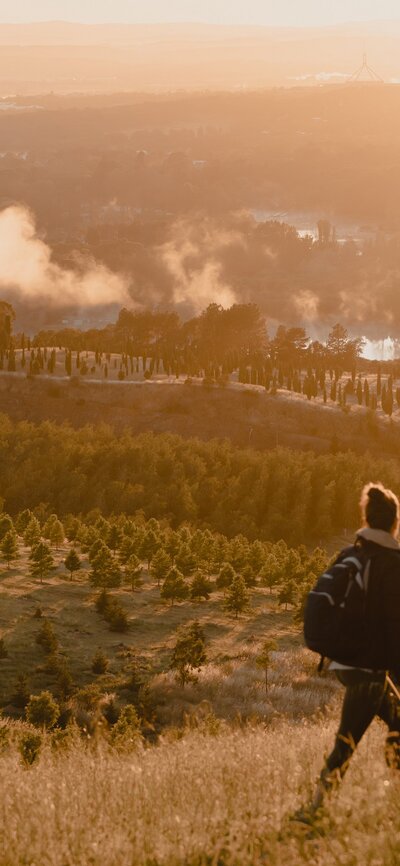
x: 379, y: 507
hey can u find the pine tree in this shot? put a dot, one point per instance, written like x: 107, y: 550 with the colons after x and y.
x: 72, y: 562
x: 56, y: 534
x: 185, y: 560
x: 174, y: 587
x: 161, y: 564
x: 41, y: 560
x: 256, y: 556
x: 189, y: 653
x: 46, y: 531
x: 249, y: 576
x: 172, y: 545
x: 98, y: 546
x: 237, y: 596
x: 114, y: 537
x: 72, y: 525
x: 288, y: 594
x: 22, y: 521
x: 226, y: 576
x: 32, y: 532
x: 128, y: 548
x: 200, y: 587
x: 133, y: 572
x: 150, y: 545
x: 263, y: 660
x: 6, y: 525
x: 272, y: 571
x: 105, y: 569
x: 9, y: 547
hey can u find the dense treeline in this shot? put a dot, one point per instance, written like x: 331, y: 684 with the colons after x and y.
x: 281, y: 494
x: 214, y: 344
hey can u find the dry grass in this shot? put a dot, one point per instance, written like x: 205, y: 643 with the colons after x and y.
x: 201, y: 799
x: 215, y: 792
x: 236, y: 690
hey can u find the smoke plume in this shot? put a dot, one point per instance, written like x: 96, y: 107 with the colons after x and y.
x: 27, y: 271
x: 192, y: 258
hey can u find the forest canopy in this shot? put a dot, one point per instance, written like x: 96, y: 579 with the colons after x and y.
x: 301, y: 497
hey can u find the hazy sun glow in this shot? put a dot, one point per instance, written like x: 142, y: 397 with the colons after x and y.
x: 287, y: 12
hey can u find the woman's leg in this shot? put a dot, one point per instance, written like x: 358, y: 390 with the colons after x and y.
x: 362, y: 701
x: 389, y: 712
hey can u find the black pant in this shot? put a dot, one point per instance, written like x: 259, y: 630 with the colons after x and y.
x: 367, y: 695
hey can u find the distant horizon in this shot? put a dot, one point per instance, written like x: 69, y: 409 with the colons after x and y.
x: 258, y: 13
x: 201, y: 23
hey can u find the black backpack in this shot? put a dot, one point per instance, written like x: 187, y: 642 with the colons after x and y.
x: 335, y: 621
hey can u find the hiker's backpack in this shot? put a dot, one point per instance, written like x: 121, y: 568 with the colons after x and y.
x: 335, y: 622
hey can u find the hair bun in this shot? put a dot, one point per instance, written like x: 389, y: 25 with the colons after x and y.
x: 376, y: 494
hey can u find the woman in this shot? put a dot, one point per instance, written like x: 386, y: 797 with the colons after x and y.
x: 368, y: 693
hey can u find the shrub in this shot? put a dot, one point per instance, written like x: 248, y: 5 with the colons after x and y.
x: 189, y: 653
x: 103, y: 602
x: 126, y: 732
x: 117, y: 618
x: 100, y: 662
x: 42, y: 710
x: 88, y: 698
x: 64, y: 682
x: 46, y: 638
x: 21, y: 695
x: 29, y: 747
x: 110, y: 710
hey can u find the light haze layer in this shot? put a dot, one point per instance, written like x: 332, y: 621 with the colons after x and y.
x: 287, y: 12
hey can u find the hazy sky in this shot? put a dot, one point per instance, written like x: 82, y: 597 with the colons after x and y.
x: 291, y: 12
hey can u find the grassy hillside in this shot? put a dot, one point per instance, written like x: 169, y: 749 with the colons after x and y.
x: 230, y: 682
x: 219, y: 797
x: 248, y: 416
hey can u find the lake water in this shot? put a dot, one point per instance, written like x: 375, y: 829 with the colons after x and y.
x: 306, y: 224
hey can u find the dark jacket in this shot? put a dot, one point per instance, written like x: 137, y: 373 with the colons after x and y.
x: 383, y: 602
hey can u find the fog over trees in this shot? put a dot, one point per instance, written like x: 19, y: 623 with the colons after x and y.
x: 287, y: 199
